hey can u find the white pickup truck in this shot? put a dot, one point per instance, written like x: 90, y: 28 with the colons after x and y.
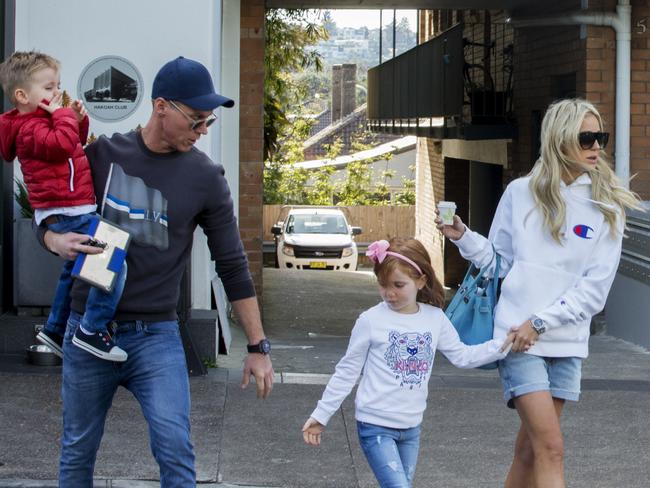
x: 315, y: 238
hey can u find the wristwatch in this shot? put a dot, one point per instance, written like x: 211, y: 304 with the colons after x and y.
x: 538, y: 325
x: 262, y: 347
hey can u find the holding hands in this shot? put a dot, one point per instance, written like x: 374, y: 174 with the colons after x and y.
x: 525, y: 337
x: 520, y: 338
x: 311, y: 431
x: 509, y: 341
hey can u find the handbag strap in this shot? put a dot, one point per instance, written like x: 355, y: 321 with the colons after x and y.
x: 495, y: 279
x: 468, y: 282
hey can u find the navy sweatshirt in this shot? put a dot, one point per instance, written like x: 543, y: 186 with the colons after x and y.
x: 160, y: 198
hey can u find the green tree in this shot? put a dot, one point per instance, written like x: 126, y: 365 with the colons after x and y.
x: 289, y: 35
x: 329, y: 23
x: 283, y: 182
x: 322, y: 192
x: 292, y: 79
x: 407, y: 195
x: 292, y: 185
x: 355, y: 190
x: 382, y: 192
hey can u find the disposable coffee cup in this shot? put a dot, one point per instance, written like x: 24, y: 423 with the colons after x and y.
x: 447, y: 211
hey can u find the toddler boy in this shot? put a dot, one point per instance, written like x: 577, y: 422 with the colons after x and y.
x: 48, y: 141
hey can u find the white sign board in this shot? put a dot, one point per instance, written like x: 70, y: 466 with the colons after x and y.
x: 111, y: 88
x: 145, y: 34
x: 110, y: 53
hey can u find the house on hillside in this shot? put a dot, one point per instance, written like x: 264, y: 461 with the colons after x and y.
x: 397, y: 156
x: 343, y: 121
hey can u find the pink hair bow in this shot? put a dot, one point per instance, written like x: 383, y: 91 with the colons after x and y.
x: 378, y: 250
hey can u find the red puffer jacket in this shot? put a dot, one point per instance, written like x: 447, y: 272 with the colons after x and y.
x: 49, y: 147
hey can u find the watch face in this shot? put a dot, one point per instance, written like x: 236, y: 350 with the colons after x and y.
x: 265, y: 346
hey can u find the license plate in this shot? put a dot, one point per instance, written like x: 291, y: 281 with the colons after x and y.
x: 318, y: 265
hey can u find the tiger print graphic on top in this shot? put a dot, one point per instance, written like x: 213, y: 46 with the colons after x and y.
x: 396, y: 353
x: 410, y: 356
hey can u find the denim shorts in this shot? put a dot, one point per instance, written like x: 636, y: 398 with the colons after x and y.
x: 523, y: 373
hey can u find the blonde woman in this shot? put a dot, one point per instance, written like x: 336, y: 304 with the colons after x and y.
x: 559, y: 232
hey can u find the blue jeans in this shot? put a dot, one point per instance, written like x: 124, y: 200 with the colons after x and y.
x: 100, y: 306
x: 156, y: 374
x: 391, y: 453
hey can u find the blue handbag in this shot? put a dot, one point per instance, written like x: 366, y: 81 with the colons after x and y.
x: 471, y: 311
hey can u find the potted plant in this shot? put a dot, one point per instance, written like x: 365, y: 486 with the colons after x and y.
x: 36, y: 271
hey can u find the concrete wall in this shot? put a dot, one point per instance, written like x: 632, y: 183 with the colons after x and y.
x: 631, y: 323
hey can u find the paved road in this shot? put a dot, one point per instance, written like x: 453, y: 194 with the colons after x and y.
x: 240, y: 441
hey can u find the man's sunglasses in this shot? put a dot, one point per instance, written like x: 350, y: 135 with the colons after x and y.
x: 195, y: 123
x: 587, y: 139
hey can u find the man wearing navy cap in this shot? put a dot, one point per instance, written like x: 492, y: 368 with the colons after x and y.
x: 156, y: 185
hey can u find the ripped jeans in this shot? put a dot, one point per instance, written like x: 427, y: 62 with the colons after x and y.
x: 391, y: 453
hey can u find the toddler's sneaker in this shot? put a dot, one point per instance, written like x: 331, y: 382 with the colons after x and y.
x: 99, y: 344
x: 52, y: 340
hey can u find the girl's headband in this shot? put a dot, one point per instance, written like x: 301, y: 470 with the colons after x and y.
x: 378, y: 250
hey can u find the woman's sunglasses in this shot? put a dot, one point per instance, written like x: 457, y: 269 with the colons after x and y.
x: 587, y: 139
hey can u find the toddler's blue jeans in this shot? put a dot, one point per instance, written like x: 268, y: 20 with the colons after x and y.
x: 391, y: 453
x: 100, y: 306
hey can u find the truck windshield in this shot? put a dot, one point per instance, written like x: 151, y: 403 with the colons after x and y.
x: 316, y: 224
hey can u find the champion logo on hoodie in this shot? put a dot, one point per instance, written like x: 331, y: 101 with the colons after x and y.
x: 583, y: 231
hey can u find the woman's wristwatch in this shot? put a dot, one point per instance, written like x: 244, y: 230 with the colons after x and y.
x: 538, y: 324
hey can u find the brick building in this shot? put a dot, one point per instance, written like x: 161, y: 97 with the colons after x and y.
x: 534, y: 54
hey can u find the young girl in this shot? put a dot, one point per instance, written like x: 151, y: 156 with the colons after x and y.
x: 394, y: 343
x: 559, y: 232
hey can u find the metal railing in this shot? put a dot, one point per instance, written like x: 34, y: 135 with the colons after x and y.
x: 488, y: 73
x: 445, y: 86
x: 635, y: 256
x: 423, y: 82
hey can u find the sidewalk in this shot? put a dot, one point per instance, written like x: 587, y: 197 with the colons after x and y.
x: 240, y: 441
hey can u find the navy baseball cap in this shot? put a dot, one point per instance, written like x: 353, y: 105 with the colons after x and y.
x: 189, y: 82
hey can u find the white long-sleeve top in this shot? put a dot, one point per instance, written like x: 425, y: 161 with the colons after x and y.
x: 395, y: 352
x: 563, y: 284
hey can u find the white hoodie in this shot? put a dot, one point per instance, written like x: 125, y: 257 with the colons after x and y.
x: 563, y: 284
x: 395, y: 351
